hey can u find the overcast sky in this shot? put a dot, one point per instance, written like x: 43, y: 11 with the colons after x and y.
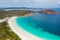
x: 30, y: 3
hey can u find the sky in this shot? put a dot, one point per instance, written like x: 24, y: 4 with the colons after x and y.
x: 30, y: 3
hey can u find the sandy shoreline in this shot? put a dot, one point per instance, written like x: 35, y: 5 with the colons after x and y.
x: 21, y: 32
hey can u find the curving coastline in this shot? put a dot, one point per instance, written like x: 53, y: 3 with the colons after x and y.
x: 21, y: 32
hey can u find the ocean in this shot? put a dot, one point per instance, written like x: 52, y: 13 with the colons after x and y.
x: 46, y: 26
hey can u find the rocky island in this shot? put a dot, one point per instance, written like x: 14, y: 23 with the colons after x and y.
x: 48, y: 12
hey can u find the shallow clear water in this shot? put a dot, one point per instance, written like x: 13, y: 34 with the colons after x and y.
x: 41, y: 25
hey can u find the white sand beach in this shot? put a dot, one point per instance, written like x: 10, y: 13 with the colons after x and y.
x: 24, y: 35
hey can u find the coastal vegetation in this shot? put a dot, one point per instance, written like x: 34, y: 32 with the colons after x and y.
x: 10, y: 13
x: 6, y: 33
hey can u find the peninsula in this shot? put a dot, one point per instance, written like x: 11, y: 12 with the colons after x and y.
x: 5, y: 29
x: 6, y: 33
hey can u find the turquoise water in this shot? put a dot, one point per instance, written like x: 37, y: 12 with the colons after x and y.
x: 41, y: 25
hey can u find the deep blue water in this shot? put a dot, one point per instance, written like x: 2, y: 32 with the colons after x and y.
x: 49, y: 23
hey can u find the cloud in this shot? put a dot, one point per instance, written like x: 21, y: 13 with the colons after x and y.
x: 16, y: 1
x: 30, y: 3
x: 36, y: 0
x: 58, y: 2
